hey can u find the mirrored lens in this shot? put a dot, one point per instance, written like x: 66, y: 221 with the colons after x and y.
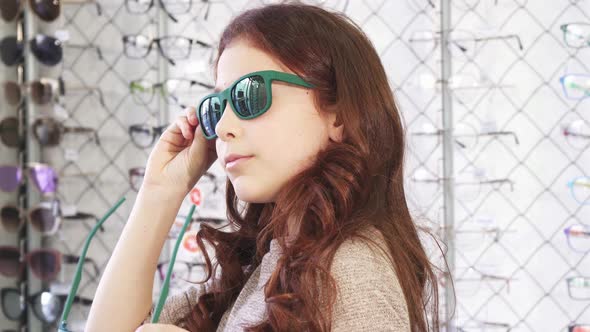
x: 11, y: 218
x: 11, y: 51
x: 9, y: 9
x: 249, y: 96
x: 211, y: 111
x: 12, y: 93
x: 47, y: 10
x: 11, y: 304
x: 9, y: 132
x: 47, y: 50
x: 48, y: 307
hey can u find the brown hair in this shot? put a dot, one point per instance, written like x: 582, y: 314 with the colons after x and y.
x: 352, y: 184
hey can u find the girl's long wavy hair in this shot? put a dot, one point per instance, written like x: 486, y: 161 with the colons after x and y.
x: 352, y: 184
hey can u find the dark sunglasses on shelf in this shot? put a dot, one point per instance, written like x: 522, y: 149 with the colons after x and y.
x: 9, y: 132
x: 49, y: 132
x: 44, y: 263
x: 42, y: 91
x: 45, y: 218
x: 46, y: 306
x: 46, y: 10
x: 177, y: 91
x: 48, y: 50
x: 249, y: 96
x: 43, y: 176
x: 136, y: 175
x: 171, y: 47
x: 144, y: 136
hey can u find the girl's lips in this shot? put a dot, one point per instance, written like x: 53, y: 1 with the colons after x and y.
x: 237, y: 162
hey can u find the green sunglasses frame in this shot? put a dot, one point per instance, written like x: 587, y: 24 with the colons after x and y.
x: 268, y: 76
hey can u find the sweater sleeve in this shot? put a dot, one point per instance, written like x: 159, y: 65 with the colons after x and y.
x: 369, y: 295
x: 178, y: 306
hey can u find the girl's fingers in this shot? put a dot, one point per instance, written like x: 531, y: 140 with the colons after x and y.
x: 186, y: 129
x: 192, y: 116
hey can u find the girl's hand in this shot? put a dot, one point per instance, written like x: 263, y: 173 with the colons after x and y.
x: 180, y: 157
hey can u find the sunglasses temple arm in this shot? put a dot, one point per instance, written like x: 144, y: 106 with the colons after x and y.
x: 165, y: 286
x: 76, y: 282
x: 83, y: 130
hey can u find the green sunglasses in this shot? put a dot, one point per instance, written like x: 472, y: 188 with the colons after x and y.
x: 250, y: 96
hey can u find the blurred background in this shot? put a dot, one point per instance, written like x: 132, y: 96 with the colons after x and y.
x: 494, y: 99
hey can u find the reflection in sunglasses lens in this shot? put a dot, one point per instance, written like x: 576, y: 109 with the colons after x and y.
x: 47, y: 49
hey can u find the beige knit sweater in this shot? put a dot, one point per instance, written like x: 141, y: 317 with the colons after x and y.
x: 369, y: 295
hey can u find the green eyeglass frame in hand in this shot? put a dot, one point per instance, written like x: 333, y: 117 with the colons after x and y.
x: 63, y: 326
x: 244, y: 97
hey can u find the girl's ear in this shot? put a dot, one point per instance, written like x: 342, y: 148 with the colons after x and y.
x: 335, y: 127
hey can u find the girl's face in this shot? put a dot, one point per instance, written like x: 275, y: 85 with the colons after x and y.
x: 282, y: 142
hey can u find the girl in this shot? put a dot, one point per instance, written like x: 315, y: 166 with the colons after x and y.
x: 304, y: 122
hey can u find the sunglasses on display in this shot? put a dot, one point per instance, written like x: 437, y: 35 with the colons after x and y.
x: 45, y: 263
x: 9, y: 132
x: 48, y: 50
x: 577, y: 134
x: 63, y: 325
x: 49, y: 132
x: 144, y: 136
x: 46, y: 10
x: 575, y: 86
x: 41, y: 175
x: 579, y: 328
x: 45, y: 218
x: 249, y: 96
x: 174, y: 91
x: 171, y: 47
x: 47, y: 307
x: 42, y: 91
